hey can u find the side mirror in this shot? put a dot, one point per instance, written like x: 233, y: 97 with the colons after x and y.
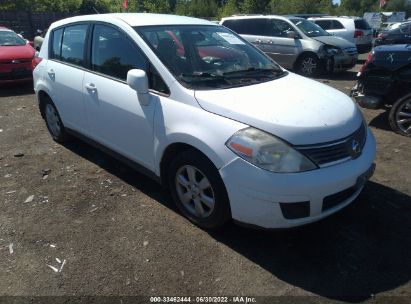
x: 292, y: 35
x: 138, y: 81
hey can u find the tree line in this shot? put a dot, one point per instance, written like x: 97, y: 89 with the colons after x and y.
x: 208, y: 8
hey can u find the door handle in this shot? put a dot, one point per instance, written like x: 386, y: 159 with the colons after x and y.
x: 270, y: 42
x: 258, y: 41
x: 51, y: 72
x: 90, y: 87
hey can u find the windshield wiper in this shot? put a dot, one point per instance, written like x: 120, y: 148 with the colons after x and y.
x: 202, y: 75
x: 254, y: 71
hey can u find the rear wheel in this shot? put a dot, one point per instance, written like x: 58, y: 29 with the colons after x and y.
x: 54, y: 123
x: 309, y: 65
x: 400, y: 116
x: 198, y: 190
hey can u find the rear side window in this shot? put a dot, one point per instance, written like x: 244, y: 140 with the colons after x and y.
x: 256, y: 27
x: 56, y: 46
x: 361, y: 24
x: 325, y: 24
x: 337, y: 25
x: 74, y: 41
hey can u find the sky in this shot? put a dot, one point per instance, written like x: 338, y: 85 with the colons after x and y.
x: 337, y: 1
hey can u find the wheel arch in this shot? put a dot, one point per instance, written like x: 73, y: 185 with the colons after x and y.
x: 43, y: 97
x: 179, y: 147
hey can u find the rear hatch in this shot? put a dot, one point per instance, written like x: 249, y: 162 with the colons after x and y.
x: 363, y: 32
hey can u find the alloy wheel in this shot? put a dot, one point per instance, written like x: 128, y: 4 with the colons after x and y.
x: 308, y: 66
x: 195, y: 191
x: 403, y: 117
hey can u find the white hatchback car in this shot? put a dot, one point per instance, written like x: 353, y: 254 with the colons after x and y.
x: 199, y: 109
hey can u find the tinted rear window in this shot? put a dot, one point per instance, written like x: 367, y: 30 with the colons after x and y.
x: 361, y: 24
x: 248, y: 26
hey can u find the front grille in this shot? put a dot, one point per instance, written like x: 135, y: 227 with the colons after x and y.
x: 15, y: 61
x: 326, y: 154
x: 338, y: 198
x: 19, y: 74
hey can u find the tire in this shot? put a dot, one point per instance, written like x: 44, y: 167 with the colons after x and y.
x: 53, y: 122
x: 198, y: 190
x: 309, y: 65
x: 400, y: 116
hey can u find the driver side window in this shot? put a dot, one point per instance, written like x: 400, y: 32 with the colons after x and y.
x: 279, y: 28
x: 114, y: 54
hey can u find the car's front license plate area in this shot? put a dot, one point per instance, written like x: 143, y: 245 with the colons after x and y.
x: 363, y: 178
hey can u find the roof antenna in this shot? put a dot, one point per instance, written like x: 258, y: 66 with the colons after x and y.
x: 97, y: 12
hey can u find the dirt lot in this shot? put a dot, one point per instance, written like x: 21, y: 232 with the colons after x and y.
x: 118, y: 233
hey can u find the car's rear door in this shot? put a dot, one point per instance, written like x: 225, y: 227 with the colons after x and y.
x: 65, y: 73
x: 117, y: 118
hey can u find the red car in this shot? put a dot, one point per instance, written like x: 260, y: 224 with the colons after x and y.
x: 16, y: 57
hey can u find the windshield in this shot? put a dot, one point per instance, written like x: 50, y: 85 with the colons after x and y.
x: 9, y: 38
x: 209, y: 57
x: 309, y: 28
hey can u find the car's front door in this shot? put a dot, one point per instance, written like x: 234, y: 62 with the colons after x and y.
x: 117, y: 118
x: 65, y: 72
x: 281, y: 48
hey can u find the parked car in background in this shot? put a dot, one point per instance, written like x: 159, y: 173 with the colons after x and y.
x: 385, y: 82
x: 397, y: 34
x: 354, y: 29
x: 238, y: 137
x: 295, y: 43
x: 16, y: 57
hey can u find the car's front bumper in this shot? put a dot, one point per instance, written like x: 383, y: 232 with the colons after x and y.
x: 341, y: 62
x: 271, y: 200
x: 15, y: 73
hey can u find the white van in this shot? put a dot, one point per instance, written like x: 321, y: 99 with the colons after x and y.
x: 208, y: 115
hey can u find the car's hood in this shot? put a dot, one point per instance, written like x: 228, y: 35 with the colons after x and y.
x: 335, y: 41
x: 16, y: 52
x: 295, y: 108
x: 393, y: 48
x: 391, y: 57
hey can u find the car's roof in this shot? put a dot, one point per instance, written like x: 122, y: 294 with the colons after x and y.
x: 138, y: 19
x: 3, y: 28
x: 336, y: 17
x: 261, y: 17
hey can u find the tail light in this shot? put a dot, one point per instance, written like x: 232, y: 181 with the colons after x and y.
x: 367, y: 62
x: 358, y: 34
x: 381, y: 36
x: 35, y: 62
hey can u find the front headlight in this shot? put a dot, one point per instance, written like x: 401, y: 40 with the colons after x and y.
x: 268, y: 152
x: 332, y: 50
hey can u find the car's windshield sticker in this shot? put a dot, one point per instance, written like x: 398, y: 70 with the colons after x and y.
x: 230, y: 38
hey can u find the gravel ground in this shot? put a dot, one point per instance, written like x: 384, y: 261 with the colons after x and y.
x: 75, y: 222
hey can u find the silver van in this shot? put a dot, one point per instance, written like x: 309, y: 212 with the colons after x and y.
x: 295, y: 43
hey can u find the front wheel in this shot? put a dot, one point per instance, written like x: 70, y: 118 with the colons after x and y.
x: 309, y: 65
x: 400, y: 116
x: 198, y: 190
